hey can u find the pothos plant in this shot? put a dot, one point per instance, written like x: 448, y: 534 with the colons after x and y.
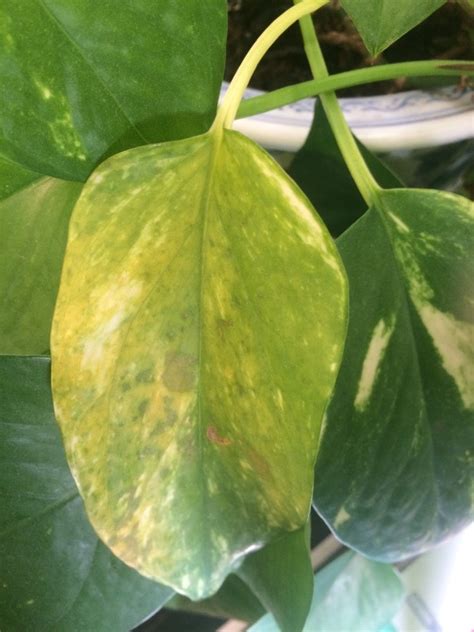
x: 218, y: 360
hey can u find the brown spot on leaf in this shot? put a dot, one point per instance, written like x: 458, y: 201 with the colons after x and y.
x: 180, y: 372
x: 259, y: 464
x: 215, y: 437
x: 222, y: 325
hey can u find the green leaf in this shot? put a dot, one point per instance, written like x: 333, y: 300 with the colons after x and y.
x: 351, y: 593
x: 86, y: 79
x: 281, y: 576
x: 34, y: 216
x: 233, y: 600
x: 395, y: 468
x: 197, y: 336
x: 55, y: 574
x: 382, y: 22
x: 14, y: 177
x: 320, y: 170
x: 80, y: 82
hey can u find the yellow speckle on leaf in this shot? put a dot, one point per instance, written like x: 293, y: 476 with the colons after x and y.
x: 43, y: 89
x: 62, y: 127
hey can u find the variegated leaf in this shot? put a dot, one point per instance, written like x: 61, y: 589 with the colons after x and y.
x: 279, y: 574
x: 196, y: 340
x: 34, y: 216
x: 395, y: 471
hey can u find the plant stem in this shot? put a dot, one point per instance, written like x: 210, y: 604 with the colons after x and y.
x: 360, y: 173
x: 296, y: 92
x: 230, y: 103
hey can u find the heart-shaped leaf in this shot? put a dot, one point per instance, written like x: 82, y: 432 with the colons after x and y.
x: 382, y: 22
x: 351, y: 593
x: 395, y: 467
x: 83, y: 79
x: 55, y: 575
x: 34, y: 216
x: 197, y: 336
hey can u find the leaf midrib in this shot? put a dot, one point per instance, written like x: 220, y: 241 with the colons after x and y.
x: 58, y: 504
x: 215, y: 138
x: 62, y: 29
x: 67, y: 610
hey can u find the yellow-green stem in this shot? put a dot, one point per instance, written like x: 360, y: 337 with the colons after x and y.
x: 361, y: 174
x: 230, y: 103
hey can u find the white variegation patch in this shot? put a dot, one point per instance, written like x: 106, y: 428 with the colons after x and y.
x: 454, y: 341
x: 342, y: 516
x: 43, y: 89
x: 295, y: 201
x: 94, y: 346
x: 310, y: 232
x: 452, y: 338
x: 372, y: 361
x: 401, y: 226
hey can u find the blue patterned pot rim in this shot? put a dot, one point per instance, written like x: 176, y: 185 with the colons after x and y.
x: 401, y: 121
x: 402, y: 108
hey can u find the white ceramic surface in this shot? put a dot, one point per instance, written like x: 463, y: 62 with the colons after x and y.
x: 407, y: 120
x: 439, y: 586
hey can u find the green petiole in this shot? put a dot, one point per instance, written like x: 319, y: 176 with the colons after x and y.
x: 355, y: 162
x: 291, y: 94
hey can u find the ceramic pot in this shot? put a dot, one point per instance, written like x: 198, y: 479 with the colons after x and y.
x: 404, y: 121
